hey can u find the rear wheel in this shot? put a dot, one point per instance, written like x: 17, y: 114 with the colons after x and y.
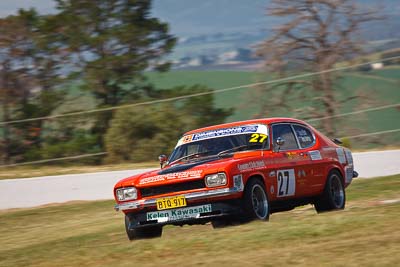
x: 255, y: 204
x: 142, y: 233
x: 334, y: 196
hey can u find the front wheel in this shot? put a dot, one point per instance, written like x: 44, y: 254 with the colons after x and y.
x: 255, y: 199
x: 142, y: 233
x: 334, y: 196
x: 221, y: 223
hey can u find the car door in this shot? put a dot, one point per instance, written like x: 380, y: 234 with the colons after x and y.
x: 289, y: 161
x: 309, y: 157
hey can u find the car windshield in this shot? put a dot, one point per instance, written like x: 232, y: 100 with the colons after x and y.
x: 220, y: 142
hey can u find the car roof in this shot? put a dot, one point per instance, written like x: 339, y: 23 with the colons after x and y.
x: 246, y: 122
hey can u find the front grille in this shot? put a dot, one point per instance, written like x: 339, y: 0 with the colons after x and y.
x: 171, y: 188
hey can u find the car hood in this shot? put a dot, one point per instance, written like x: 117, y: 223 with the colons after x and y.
x: 186, y: 171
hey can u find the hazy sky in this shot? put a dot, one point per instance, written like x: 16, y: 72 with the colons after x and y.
x: 190, y: 18
x: 8, y: 7
x: 197, y: 16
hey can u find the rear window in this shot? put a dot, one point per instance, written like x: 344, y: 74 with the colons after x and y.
x: 304, y: 135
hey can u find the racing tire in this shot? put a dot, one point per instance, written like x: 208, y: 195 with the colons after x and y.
x: 220, y: 223
x: 334, y: 195
x: 255, y: 201
x: 142, y: 233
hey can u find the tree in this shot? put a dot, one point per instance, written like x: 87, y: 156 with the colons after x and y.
x: 140, y: 134
x: 199, y: 111
x: 111, y: 43
x: 28, y: 75
x: 317, y: 35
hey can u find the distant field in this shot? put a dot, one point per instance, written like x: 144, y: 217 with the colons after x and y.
x: 383, y: 84
x: 366, y: 233
x: 380, y: 87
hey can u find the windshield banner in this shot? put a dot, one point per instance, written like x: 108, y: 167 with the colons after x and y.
x: 223, y: 132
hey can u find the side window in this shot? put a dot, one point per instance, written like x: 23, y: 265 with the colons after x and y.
x: 304, y: 135
x: 285, y: 132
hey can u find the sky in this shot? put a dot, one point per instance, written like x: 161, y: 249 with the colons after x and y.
x: 8, y: 7
x: 190, y: 20
x: 197, y: 17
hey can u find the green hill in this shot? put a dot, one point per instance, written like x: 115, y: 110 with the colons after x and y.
x: 378, y: 87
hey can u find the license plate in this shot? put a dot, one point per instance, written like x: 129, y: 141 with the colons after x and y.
x: 171, y: 202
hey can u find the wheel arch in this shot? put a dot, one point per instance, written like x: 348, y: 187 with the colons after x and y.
x: 257, y: 176
x: 336, y: 168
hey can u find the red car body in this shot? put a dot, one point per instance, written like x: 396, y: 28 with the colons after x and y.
x: 286, y: 162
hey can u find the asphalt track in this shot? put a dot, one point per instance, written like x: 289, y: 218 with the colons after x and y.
x: 32, y: 192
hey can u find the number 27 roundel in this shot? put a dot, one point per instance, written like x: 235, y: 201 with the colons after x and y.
x: 286, y: 183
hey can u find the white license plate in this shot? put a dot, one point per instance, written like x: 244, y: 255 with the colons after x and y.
x: 178, y: 214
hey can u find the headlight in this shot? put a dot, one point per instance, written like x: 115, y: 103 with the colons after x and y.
x: 127, y: 193
x: 216, y: 179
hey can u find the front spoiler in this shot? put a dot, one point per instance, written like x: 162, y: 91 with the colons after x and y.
x: 219, y: 209
x: 143, y: 203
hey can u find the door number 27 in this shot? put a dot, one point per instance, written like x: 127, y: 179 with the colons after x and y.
x: 286, y: 183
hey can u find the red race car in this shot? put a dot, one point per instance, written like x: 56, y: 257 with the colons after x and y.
x: 237, y: 172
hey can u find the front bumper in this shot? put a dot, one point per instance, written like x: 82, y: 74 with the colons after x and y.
x: 143, y: 203
x: 215, y: 211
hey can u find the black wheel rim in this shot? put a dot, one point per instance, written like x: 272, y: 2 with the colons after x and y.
x: 337, y: 192
x: 260, y: 202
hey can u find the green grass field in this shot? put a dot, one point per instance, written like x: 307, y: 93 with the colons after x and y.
x: 366, y: 233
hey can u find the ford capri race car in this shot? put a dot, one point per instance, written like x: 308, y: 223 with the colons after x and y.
x: 237, y: 172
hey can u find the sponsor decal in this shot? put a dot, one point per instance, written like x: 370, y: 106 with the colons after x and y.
x: 301, y: 173
x: 238, y: 182
x: 225, y: 132
x: 340, y: 154
x: 252, y: 165
x: 349, y: 174
x: 272, y: 174
x: 187, y: 139
x: 291, y: 155
x: 315, y: 155
x: 272, y: 189
x: 302, y: 132
x: 349, y: 156
x: 172, y: 176
x: 178, y: 214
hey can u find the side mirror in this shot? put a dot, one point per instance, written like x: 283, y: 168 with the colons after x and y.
x: 163, y: 159
x: 280, y: 142
x: 337, y: 141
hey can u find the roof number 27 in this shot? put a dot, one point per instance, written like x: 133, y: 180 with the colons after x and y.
x: 257, y: 138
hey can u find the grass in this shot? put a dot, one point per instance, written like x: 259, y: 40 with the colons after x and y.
x: 366, y: 233
x: 46, y: 170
